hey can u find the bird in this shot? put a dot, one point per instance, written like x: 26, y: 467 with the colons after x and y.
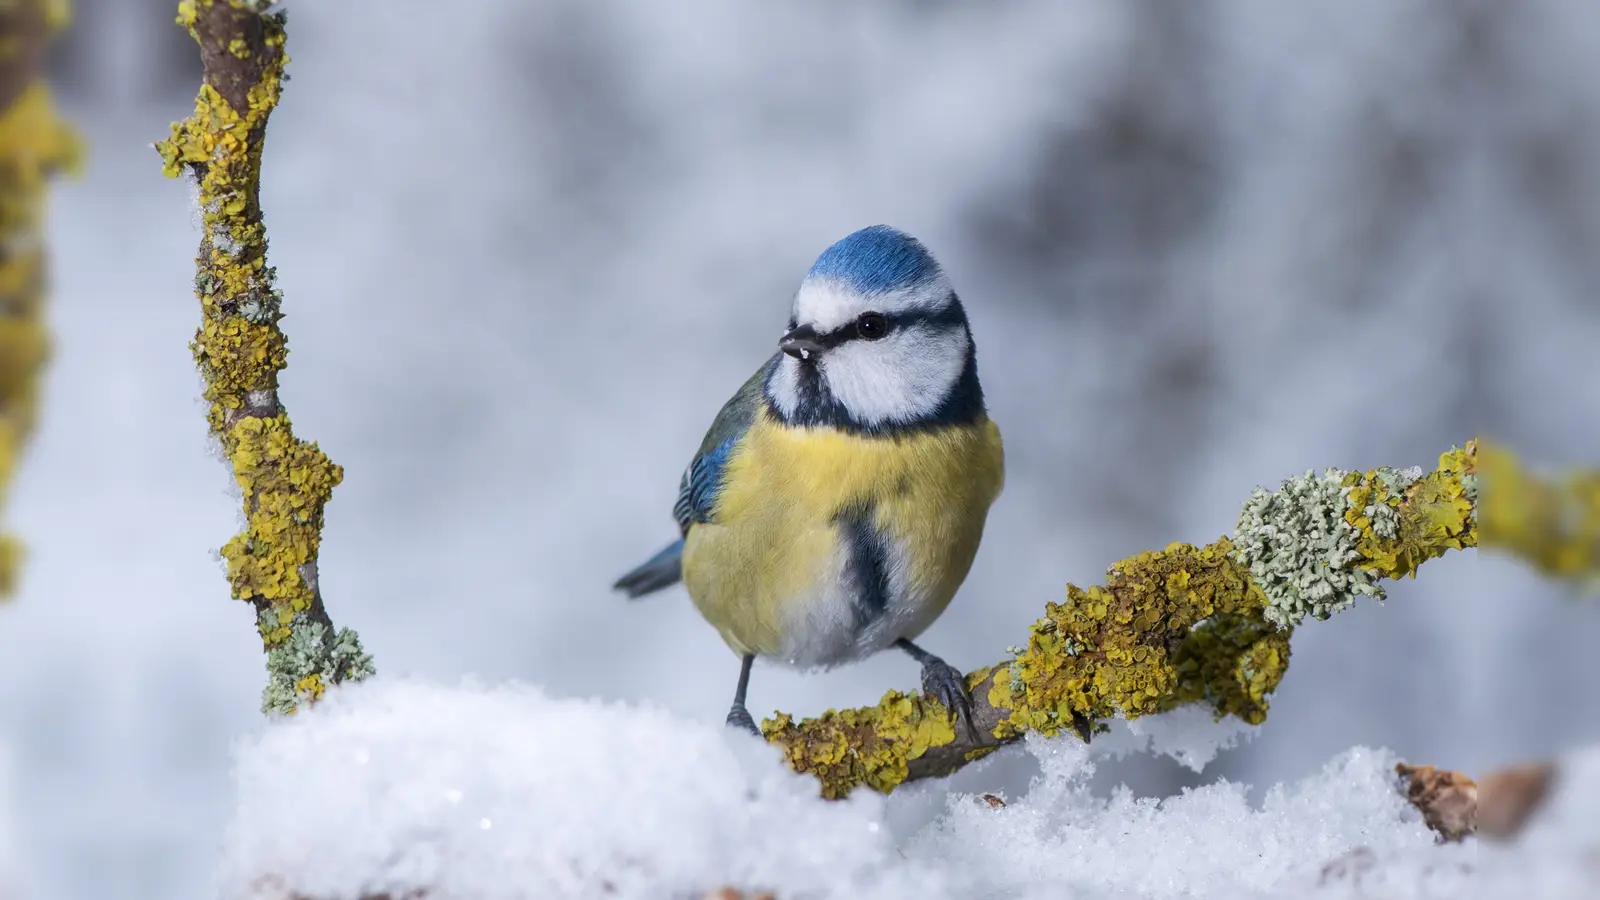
x: 837, y: 502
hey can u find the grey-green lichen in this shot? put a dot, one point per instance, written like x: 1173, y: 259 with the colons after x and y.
x: 1013, y: 670
x: 1385, y: 517
x: 1301, y: 551
x: 300, y: 668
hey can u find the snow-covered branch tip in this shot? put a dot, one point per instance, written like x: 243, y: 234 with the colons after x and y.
x: 1208, y: 625
x: 34, y: 144
x: 286, y: 482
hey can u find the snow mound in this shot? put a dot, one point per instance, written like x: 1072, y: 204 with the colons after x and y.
x: 483, y: 793
x: 503, y: 792
x: 1206, y: 842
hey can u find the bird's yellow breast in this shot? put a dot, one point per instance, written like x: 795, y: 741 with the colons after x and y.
x: 770, y: 571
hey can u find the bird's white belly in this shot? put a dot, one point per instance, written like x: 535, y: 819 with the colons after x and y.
x: 825, y: 626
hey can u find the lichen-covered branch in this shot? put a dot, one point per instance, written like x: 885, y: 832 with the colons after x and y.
x: 1181, y: 625
x: 34, y: 144
x: 1552, y: 524
x: 285, y: 481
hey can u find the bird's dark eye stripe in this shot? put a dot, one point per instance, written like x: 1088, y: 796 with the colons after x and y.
x: 907, y: 318
x: 947, y: 316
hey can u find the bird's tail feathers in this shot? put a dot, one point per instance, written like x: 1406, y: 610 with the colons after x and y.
x: 663, y: 570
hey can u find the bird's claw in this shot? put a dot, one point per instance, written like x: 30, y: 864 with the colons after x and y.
x: 944, y: 683
x: 1082, y: 725
x: 739, y: 717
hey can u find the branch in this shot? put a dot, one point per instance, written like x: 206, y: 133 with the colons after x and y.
x: 1553, y: 525
x: 34, y: 144
x: 1172, y: 627
x: 285, y: 482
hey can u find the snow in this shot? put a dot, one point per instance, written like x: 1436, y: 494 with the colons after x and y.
x: 503, y: 791
x: 1188, y: 734
x: 10, y: 874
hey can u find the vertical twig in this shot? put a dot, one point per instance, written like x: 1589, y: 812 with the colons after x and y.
x: 285, y: 482
x: 34, y: 143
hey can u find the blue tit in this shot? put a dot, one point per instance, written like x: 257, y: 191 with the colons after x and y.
x: 837, y: 502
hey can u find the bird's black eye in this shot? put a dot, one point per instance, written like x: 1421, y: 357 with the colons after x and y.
x: 872, y: 326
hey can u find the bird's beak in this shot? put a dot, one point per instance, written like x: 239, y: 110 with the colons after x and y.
x: 800, y: 342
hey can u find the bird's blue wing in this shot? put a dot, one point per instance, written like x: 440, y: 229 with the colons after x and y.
x: 702, y: 481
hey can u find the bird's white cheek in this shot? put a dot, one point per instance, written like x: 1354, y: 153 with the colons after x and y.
x: 898, y: 379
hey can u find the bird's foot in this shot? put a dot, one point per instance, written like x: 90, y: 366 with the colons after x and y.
x: 943, y: 682
x: 739, y: 717
x: 1082, y: 725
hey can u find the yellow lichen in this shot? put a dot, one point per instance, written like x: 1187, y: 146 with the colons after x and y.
x: 1102, y: 652
x: 1127, y: 646
x: 871, y: 746
x: 285, y: 482
x: 1178, y: 626
x: 1431, y: 515
x: 35, y: 143
x: 288, y: 482
x: 57, y: 15
x: 239, y: 347
x: 310, y: 687
x: 1553, y: 524
x: 1231, y: 663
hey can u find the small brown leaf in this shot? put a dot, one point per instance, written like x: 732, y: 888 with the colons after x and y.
x: 1447, y: 800
x: 993, y: 801
x: 1509, y: 797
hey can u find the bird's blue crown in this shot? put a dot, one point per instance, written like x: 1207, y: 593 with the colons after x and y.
x: 875, y: 260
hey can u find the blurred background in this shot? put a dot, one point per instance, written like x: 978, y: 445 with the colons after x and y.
x: 529, y: 249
